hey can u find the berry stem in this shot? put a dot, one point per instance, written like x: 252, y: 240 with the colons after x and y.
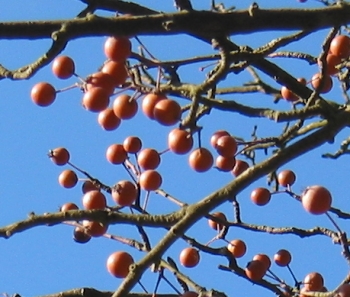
x: 157, y: 283
x: 199, y: 138
x: 145, y: 203
x: 333, y: 222
x: 171, y: 285
x: 273, y: 276
x: 142, y: 286
x: 292, y: 274
x: 130, y: 167
x: 158, y: 79
x: 145, y: 49
x: 122, y: 90
x: 92, y: 179
x: 76, y: 85
x: 211, y: 240
x: 202, y: 68
x: 169, y: 197
x: 138, y: 166
x: 80, y: 78
x: 162, y: 152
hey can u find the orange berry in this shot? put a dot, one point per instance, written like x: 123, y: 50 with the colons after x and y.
x: 43, y: 94
x: 94, y: 228
x: 60, y: 156
x: 124, y: 193
x: 80, y: 235
x: 316, y: 200
x: 118, y: 264
x: 189, y: 257
x: 108, y: 120
x: 340, y: 46
x: 286, y: 178
x: 102, y: 80
x: 148, y: 103
x: 116, y: 154
x: 214, y: 138
x: 239, y: 167
x: 313, y: 281
x: 255, y: 270
x: 117, y: 70
x: 225, y: 164
x: 63, y: 67
x: 201, y: 159
x: 94, y: 200
x: 226, y: 146
x: 237, y: 247
x: 260, y: 196
x: 150, y: 180
x: 132, y: 144
x: 282, y: 258
x: 95, y: 99
x: 180, y: 141
x: 68, y: 179
x: 88, y: 186
x: 167, y: 112
x: 117, y: 48
x: 332, y: 61
x: 327, y: 83
x: 264, y: 259
x: 148, y: 159
x: 215, y: 225
x: 68, y: 206
x: 125, y: 107
x: 288, y: 94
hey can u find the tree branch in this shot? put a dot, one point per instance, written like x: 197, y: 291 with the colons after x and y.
x: 202, y: 23
x: 106, y: 216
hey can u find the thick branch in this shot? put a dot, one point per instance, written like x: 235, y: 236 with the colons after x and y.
x: 203, y: 23
x: 90, y: 292
x: 276, y: 115
x: 110, y: 217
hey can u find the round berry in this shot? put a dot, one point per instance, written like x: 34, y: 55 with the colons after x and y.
x: 43, y: 94
x: 118, y: 264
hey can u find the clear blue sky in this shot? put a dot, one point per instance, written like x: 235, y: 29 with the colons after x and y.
x: 45, y: 260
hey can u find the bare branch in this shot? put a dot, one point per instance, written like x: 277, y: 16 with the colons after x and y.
x: 106, y: 216
x: 211, y: 23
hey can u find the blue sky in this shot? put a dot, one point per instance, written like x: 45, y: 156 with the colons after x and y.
x: 45, y: 260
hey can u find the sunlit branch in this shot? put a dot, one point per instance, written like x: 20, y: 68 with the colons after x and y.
x: 90, y: 292
x: 275, y: 115
x: 280, y: 42
x: 295, y: 55
x: 302, y: 233
x: 212, y: 23
x: 59, y: 42
x: 214, y: 77
x: 106, y: 216
x: 344, y: 150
